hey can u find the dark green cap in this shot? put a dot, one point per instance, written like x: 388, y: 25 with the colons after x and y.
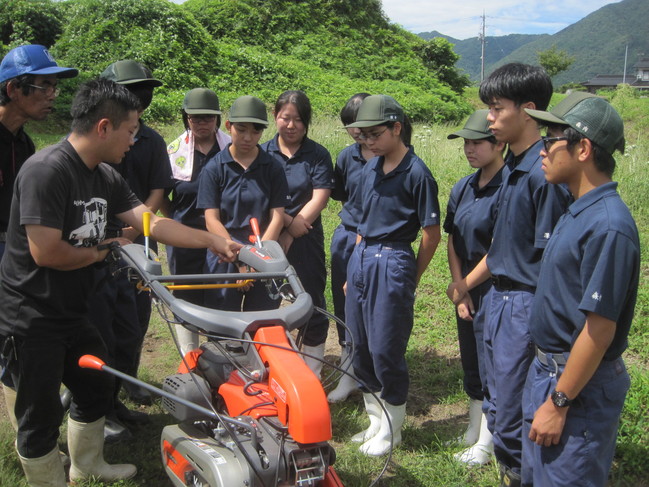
x: 590, y: 115
x: 475, y: 128
x: 377, y: 110
x: 201, y: 101
x: 248, y: 109
x: 128, y: 72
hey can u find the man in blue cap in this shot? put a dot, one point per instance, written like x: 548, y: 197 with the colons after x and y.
x: 29, y: 77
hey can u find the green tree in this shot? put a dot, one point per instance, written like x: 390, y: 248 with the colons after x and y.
x: 438, y: 55
x: 29, y: 22
x: 554, y: 60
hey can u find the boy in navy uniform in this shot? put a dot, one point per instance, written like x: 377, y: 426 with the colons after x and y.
x: 528, y: 209
x: 584, y: 303
x: 118, y: 309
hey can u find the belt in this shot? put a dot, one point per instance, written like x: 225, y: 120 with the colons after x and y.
x: 504, y: 283
x: 387, y: 243
x: 547, y: 358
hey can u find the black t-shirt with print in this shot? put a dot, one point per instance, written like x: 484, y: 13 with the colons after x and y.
x: 55, y: 189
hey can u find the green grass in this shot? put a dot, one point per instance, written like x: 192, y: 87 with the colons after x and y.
x: 437, y: 406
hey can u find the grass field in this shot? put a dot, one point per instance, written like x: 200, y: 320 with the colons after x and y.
x: 437, y: 406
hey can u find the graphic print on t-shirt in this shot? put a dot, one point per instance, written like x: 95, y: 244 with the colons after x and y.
x: 93, y: 226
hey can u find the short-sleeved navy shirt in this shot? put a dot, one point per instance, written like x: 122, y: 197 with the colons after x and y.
x: 145, y: 166
x: 470, y: 216
x: 240, y: 194
x: 591, y: 264
x: 185, y: 193
x: 528, y: 209
x: 347, y: 183
x: 396, y: 205
x: 310, y: 168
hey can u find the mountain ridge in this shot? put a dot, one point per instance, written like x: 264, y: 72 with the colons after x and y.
x: 607, y: 32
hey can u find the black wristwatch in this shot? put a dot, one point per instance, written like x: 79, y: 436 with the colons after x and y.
x: 560, y: 400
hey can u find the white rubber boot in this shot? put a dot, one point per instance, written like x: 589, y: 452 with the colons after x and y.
x: 86, y: 447
x: 373, y: 408
x: 45, y: 471
x: 481, y: 452
x: 318, y: 352
x: 10, y: 402
x: 380, y: 444
x: 188, y: 340
x: 472, y: 432
x: 347, y: 384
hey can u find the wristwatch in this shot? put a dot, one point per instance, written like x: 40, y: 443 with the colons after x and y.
x: 560, y: 400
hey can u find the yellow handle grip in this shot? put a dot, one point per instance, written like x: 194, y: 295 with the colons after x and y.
x: 146, y: 223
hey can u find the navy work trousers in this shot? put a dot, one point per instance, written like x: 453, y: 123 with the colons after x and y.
x: 343, y: 242
x: 508, y: 353
x: 584, y: 454
x: 380, y: 312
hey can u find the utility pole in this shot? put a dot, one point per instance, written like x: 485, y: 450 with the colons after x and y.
x: 481, y: 35
x: 626, y: 51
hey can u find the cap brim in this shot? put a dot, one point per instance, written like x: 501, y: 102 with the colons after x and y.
x: 469, y: 134
x: 367, y: 123
x: 59, y: 71
x: 545, y: 117
x: 201, y: 111
x: 248, y: 120
x: 149, y: 82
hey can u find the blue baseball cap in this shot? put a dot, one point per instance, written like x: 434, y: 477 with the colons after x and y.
x: 32, y: 59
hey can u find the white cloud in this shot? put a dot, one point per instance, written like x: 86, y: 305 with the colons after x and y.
x: 462, y: 19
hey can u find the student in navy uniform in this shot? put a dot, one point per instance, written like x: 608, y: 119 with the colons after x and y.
x: 28, y: 87
x: 146, y: 170
x: 309, y: 172
x: 347, y: 176
x: 239, y: 183
x: 399, y: 199
x: 188, y: 155
x: 528, y: 208
x: 584, y: 303
x: 470, y: 216
x: 57, y: 233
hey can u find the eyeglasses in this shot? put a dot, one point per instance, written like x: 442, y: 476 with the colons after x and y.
x: 548, y: 142
x: 374, y: 136
x: 201, y: 118
x: 48, y: 90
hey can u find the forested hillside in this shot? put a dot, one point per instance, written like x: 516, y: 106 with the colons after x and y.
x: 597, y: 42
x: 328, y: 48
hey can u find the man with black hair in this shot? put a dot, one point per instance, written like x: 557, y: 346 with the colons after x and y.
x: 28, y: 87
x: 528, y: 208
x: 584, y: 303
x: 63, y: 197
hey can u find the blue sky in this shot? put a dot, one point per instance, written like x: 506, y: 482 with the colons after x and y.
x: 463, y: 19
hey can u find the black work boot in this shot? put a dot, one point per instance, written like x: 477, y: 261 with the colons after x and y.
x: 509, y: 478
